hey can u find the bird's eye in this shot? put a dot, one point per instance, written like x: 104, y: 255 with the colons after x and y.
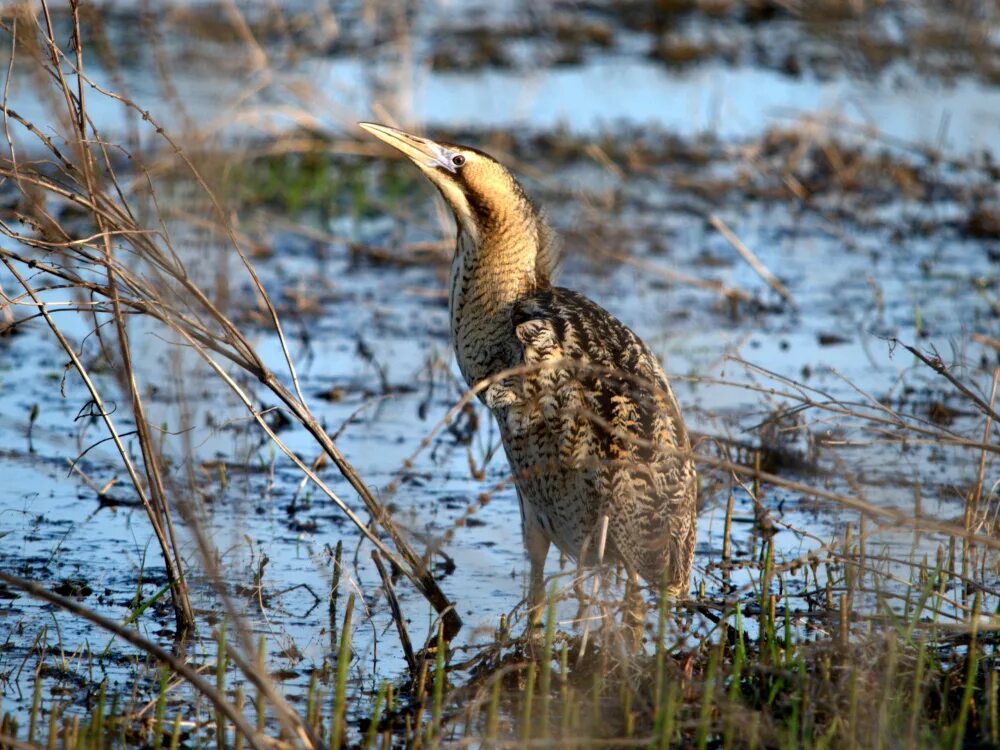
x: 458, y: 160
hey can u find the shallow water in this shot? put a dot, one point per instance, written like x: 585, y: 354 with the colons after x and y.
x: 856, y: 265
x: 214, y: 91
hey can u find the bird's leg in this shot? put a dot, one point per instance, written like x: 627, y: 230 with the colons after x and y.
x: 582, y: 598
x: 602, y: 541
x: 634, y: 616
x: 536, y: 543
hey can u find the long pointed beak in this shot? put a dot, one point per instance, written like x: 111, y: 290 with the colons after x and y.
x: 421, y: 151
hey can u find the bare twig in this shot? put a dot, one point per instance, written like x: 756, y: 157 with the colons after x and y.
x: 397, y: 614
x: 938, y: 365
x: 977, y: 494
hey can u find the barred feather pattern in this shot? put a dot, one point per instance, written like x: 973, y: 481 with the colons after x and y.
x: 592, y: 428
x: 590, y: 425
x: 588, y: 420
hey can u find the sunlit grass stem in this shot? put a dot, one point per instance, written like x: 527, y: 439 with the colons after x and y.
x: 339, y: 712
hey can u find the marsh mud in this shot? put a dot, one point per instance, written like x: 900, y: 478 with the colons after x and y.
x: 871, y: 198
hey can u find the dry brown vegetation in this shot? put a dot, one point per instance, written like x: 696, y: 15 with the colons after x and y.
x: 843, y: 645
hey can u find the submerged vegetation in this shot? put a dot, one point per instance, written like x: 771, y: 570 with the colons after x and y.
x: 303, y: 536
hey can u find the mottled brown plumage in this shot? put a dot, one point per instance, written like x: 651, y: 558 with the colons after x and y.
x: 588, y: 420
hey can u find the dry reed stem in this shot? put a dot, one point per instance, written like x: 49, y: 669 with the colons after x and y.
x: 165, y: 536
x: 977, y: 494
x: 761, y: 270
x: 150, y: 457
x: 397, y: 614
x: 937, y: 364
x: 229, y: 341
x: 129, y: 635
x: 677, y: 277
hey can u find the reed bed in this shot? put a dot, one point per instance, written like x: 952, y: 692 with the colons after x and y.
x: 841, y: 646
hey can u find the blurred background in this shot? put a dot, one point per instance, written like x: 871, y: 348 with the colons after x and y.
x: 922, y: 72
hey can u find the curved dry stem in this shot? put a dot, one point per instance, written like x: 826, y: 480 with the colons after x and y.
x: 190, y: 674
x: 203, y: 323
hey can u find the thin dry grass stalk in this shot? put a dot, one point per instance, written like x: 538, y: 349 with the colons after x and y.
x: 129, y: 268
x: 755, y: 263
x: 176, y: 663
x: 150, y: 487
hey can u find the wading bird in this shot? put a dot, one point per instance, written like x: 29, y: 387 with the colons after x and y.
x: 596, y: 442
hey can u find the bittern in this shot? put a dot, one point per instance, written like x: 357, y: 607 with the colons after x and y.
x: 598, y: 449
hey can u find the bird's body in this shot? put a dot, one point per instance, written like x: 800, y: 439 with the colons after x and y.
x: 588, y: 420
x: 596, y: 431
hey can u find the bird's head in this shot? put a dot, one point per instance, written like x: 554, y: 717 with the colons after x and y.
x: 480, y: 191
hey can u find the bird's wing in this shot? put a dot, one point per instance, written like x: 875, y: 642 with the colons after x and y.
x: 622, y: 383
x: 601, y: 397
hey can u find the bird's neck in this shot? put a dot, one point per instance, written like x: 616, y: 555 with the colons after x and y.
x: 492, y: 270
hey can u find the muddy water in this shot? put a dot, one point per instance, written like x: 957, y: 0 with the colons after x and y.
x: 373, y: 359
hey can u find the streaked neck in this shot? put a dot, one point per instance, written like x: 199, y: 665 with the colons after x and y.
x: 488, y: 277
